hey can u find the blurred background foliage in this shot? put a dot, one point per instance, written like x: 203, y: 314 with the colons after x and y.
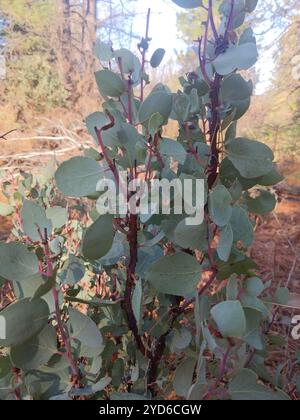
x: 48, y: 47
x: 274, y: 115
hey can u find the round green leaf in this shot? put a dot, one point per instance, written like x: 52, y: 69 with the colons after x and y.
x: 264, y: 203
x: 103, y: 51
x: 72, y: 271
x: 16, y: 262
x: 34, y: 219
x: 98, y: 120
x: 33, y: 286
x: 155, y: 123
x: 251, y: 158
x: 78, y: 177
x: 271, y: 178
x: 238, y: 7
x: 240, y: 108
x: 6, y: 209
x: 176, y: 274
x: 109, y: 83
x: 174, y: 149
x: 245, y: 387
x: 98, y: 238
x: 235, y: 88
x: 184, y: 377
x: 191, y: 237
x: 137, y: 301
x: 23, y: 320
x: 35, y: 352
x: 157, y: 102
x: 188, y: 4
x: 225, y: 243
x: 157, y: 57
x: 230, y: 318
x: 84, y: 329
x: 58, y: 216
x: 219, y: 204
x: 282, y: 295
x: 240, y: 57
x: 129, y: 62
x: 254, y: 286
x: 253, y: 335
x: 251, y: 5
x: 241, y: 226
x: 247, y: 36
x: 181, y: 340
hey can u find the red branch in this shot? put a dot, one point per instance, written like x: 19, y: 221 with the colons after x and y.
x: 62, y: 330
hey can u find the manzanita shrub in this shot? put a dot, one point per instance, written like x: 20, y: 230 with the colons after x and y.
x: 112, y: 305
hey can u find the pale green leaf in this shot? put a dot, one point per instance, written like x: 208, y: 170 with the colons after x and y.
x: 251, y: 158
x: 72, y: 271
x: 103, y: 51
x: 245, y: 387
x: 171, y: 148
x: 6, y: 209
x: 109, y: 83
x: 157, y: 102
x: 188, y: 4
x: 240, y: 57
x: 58, y: 216
x: 84, y: 329
x: 35, y: 221
x: 137, y: 301
x: 129, y: 62
x: 225, y: 243
x: 98, y: 239
x: 78, y: 177
x: 235, y: 88
x: 184, y: 377
x: 254, y: 286
x: 176, y: 274
x: 219, y: 203
x: 35, y: 352
x: 282, y: 295
x: 263, y: 203
x: 157, y: 57
x: 23, y: 320
x: 230, y: 318
x: 253, y: 335
x: 16, y: 262
x: 191, y: 237
x: 241, y: 226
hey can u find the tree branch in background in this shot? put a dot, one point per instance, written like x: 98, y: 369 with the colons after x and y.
x: 3, y: 136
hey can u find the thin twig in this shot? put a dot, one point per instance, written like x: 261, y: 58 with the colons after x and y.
x: 62, y: 330
x: 3, y: 136
x: 144, y: 51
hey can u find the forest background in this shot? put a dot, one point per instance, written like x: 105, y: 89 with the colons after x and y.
x: 47, y: 88
x: 47, y: 57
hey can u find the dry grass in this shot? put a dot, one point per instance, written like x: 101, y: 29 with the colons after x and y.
x: 277, y: 244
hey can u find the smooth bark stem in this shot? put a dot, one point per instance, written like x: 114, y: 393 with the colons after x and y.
x: 130, y: 283
x: 212, y: 21
x: 214, y: 126
x: 144, y: 54
x: 65, y: 337
x: 62, y: 330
